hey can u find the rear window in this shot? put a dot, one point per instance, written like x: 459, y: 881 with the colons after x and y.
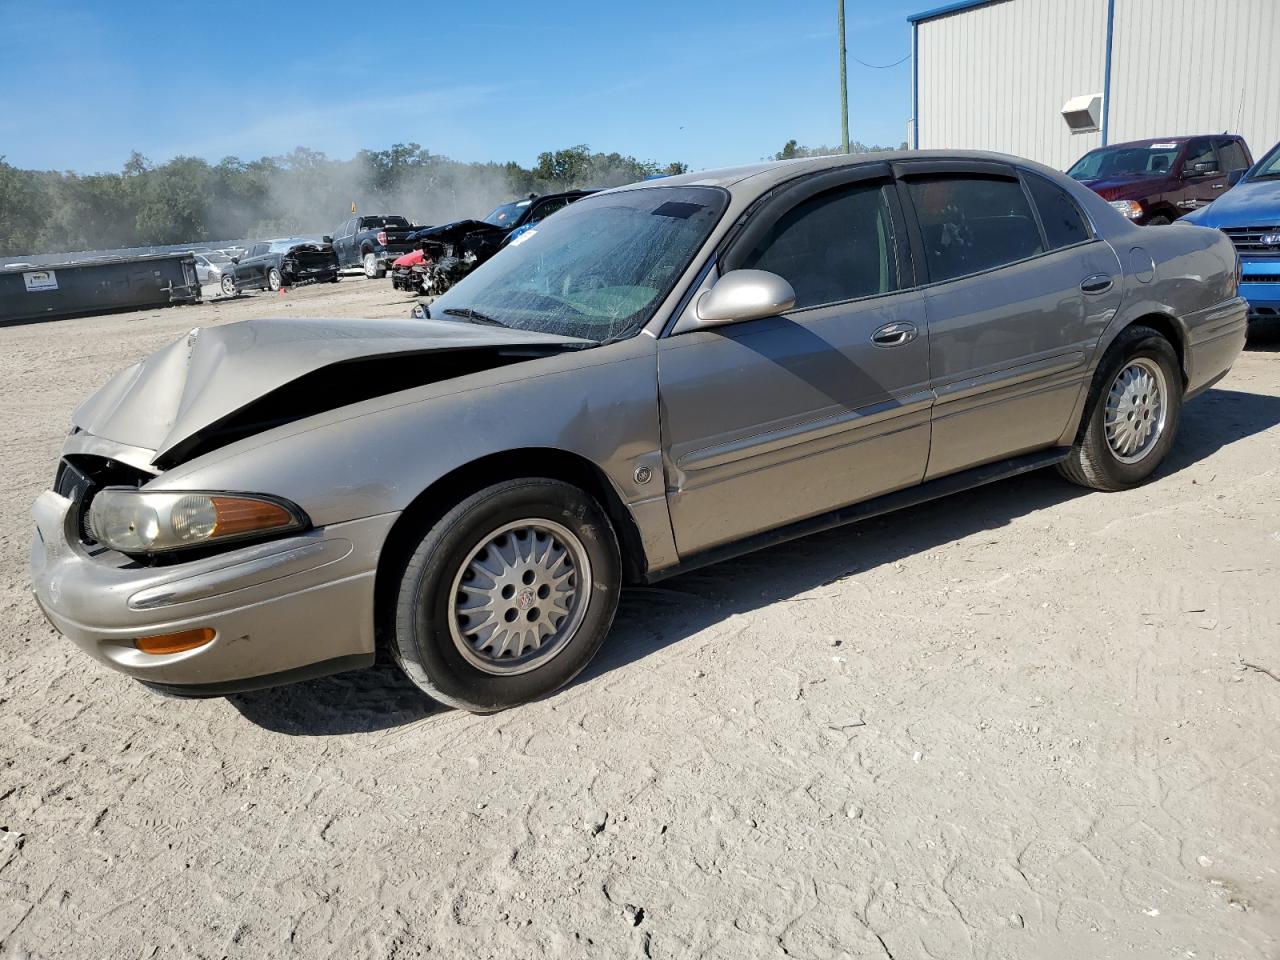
x: 972, y: 223
x: 1064, y: 224
x: 378, y: 223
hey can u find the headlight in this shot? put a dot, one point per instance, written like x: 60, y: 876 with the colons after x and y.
x: 1130, y: 209
x: 140, y: 521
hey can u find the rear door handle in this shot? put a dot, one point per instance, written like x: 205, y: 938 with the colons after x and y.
x: 895, y: 334
x: 1098, y: 283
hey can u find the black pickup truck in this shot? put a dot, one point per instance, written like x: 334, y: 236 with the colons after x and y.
x: 372, y: 242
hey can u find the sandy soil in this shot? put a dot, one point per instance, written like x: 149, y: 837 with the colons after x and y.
x: 1014, y: 724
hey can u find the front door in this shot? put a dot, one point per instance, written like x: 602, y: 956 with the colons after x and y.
x: 770, y: 421
x: 1019, y: 293
x: 1203, y: 178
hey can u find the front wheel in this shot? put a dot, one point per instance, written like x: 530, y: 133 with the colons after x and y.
x: 508, y: 596
x: 1132, y: 416
x: 274, y: 280
x: 228, y: 286
x: 371, y: 268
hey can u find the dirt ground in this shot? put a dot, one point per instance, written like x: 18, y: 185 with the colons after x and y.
x: 1012, y: 724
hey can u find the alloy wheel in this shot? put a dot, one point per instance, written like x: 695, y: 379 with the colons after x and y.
x: 519, y: 596
x: 1136, y: 410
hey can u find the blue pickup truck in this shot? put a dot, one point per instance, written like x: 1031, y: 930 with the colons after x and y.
x: 1249, y: 213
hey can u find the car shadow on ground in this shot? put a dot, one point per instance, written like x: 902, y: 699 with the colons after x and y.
x: 653, y: 618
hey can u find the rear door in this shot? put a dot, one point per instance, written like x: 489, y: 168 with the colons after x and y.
x: 1018, y: 294
x: 770, y: 421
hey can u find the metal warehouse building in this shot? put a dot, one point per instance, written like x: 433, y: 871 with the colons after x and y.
x: 1051, y: 79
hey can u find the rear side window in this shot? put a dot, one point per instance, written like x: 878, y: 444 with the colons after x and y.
x: 1232, y: 155
x: 1063, y: 222
x: 972, y: 223
x: 835, y: 246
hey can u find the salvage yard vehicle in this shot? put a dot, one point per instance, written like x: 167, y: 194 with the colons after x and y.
x: 453, y: 250
x: 1154, y: 182
x: 209, y: 266
x: 273, y: 264
x: 371, y: 243
x: 661, y: 376
x: 1249, y: 213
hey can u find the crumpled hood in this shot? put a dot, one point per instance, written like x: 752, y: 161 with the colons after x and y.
x: 1126, y: 188
x: 213, y: 372
x: 1254, y: 203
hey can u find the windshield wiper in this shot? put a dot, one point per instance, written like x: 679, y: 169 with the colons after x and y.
x: 475, y: 316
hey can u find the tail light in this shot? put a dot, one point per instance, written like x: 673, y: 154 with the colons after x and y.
x: 382, y: 238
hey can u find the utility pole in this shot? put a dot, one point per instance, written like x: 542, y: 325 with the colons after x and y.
x: 844, y: 86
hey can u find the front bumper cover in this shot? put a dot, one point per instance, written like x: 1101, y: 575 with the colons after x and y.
x: 280, y: 610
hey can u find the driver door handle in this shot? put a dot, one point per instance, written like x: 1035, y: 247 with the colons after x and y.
x: 895, y: 334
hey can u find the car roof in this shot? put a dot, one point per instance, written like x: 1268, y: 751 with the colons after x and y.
x: 759, y: 177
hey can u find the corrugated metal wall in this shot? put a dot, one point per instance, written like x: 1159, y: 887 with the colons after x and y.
x: 1196, y: 66
x: 996, y: 77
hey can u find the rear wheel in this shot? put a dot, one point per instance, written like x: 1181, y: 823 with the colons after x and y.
x: 372, y: 270
x: 508, y: 596
x: 274, y: 280
x: 1132, y: 416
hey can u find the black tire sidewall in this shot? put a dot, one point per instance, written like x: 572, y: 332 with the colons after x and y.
x: 278, y: 282
x: 422, y: 630
x: 1150, y: 345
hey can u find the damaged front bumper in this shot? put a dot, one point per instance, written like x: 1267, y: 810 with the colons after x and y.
x: 280, y: 611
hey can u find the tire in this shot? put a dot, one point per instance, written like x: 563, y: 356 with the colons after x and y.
x: 503, y: 528
x: 372, y: 269
x: 274, y: 280
x: 228, y: 286
x: 1159, y: 221
x: 1143, y: 358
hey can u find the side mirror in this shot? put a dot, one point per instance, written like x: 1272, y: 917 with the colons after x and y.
x: 1235, y: 176
x: 235, y: 259
x: 744, y: 295
x: 1202, y: 169
x: 326, y: 239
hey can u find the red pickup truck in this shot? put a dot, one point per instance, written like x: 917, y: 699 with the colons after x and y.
x: 1157, y: 181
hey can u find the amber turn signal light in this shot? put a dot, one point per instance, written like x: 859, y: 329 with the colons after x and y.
x: 175, y: 642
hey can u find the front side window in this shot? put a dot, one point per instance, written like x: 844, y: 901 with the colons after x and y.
x: 1199, y: 152
x: 970, y: 223
x: 542, y: 211
x: 598, y: 269
x: 835, y: 246
x: 258, y: 249
x: 1063, y: 222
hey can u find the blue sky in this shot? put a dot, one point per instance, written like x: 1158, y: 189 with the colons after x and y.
x: 710, y: 83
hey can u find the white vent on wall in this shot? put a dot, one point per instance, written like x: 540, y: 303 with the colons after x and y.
x: 1083, y: 114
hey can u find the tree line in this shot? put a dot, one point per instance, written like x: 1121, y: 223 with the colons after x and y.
x: 187, y: 199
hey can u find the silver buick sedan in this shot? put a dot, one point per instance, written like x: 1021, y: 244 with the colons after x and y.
x: 660, y: 376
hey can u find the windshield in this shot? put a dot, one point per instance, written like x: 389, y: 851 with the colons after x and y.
x: 508, y: 213
x: 1154, y: 160
x: 216, y: 257
x: 598, y: 269
x: 1268, y: 166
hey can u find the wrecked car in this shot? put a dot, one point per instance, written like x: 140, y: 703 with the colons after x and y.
x: 662, y: 376
x: 272, y: 264
x: 372, y: 242
x: 453, y: 250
